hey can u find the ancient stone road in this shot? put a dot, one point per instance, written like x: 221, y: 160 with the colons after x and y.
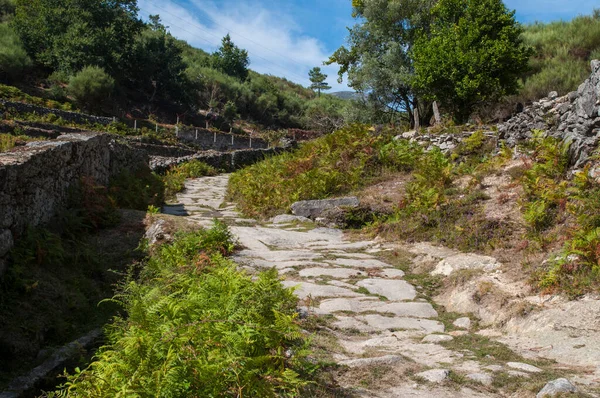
x: 376, y: 318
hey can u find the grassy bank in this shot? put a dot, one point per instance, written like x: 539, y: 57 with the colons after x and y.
x: 196, y: 326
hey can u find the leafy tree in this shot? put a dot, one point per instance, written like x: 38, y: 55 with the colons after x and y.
x: 7, y: 9
x: 91, y: 86
x: 378, y: 62
x: 231, y: 60
x: 472, y: 54
x: 70, y: 34
x: 14, y: 60
x: 157, y: 68
x: 230, y: 114
x: 318, y: 80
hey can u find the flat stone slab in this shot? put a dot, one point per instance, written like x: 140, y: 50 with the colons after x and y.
x: 462, y: 323
x: 524, y: 367
x: 396, y: 290
x: 289, y: 218
x: 434, y: 375
x: 364, y: 362
x: 399, y: 323
x: 437, y: 338
x: 481, y: 378
x: 358, y: 263
x: 350, y: 323
x: 358, y: 305
x: 465, y: 261
x: 307, y: 289
x: 341, y: 273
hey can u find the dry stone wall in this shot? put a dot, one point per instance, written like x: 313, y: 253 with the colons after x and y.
x: 75, y: 117
x: 35, y: 179
x: 220, y: 141
x: 574, y: 118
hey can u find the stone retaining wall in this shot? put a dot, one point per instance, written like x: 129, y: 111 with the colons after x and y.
x: 573, y: 118
x: 75, y: 117
x: 35, y: 179
x: 220, y: 141
x: 228, y: 161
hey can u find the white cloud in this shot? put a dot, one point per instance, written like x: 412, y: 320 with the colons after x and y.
x: 274, y: 41
x: 548, y: 10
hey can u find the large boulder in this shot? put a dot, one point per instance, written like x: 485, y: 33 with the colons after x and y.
x: 315, y: 208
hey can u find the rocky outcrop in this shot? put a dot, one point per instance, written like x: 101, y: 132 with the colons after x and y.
x: 315, y: 208
x: 35, y: 179
x: 573, y: 118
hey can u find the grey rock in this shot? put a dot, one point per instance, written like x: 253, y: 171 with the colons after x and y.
x: 524, y: 367
x: 465, y: 261
x: 313, y: 208
x: 462, y: 323
x: 556, y: 387
x: 156, y: 233
x: 396, y: 290
x: 481, y: 378
x: 288, y: 218
x: 553, y: 95
x: 364, y: 362
x: 434, y: 375
x: 437, y: 338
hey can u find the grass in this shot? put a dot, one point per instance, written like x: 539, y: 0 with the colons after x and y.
x: 562, y: 54
x: 9, y: 141
x: 11, y: 93
x: 175, y: 177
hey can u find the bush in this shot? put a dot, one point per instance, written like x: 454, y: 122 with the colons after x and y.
x: 14, y: 60
x: 91, y: 86
x: 137, y: 190
x: 196, y: 326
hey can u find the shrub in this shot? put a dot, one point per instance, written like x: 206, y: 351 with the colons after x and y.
x: 91, y: 86
x: 14, y: 60
x: 137, y: 190
x: 400, y: 155
x: 196, y: 326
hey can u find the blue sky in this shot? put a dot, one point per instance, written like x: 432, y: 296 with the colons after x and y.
x: 289, y: 37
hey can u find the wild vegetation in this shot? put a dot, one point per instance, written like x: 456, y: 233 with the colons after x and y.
x: 122, y: 65
x: 196, y: 325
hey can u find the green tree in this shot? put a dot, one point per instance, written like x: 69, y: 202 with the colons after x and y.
x: 157, y: 69
x: 7, y: 10
x: 230, y: 114
x: 91, y: 86
x: 231, y: 60
x: 318, y: 80
x: 473, y: 53
x: 14, y: 60
x: 378, y: 62
x: 70, y: 34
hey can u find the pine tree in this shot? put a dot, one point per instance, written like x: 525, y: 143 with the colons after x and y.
x: 318, y: 80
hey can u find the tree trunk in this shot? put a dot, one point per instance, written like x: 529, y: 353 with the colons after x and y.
x: 436, y: 113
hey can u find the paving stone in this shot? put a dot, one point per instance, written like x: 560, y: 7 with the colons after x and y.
x: 398, y: 323
x: 289, y: 218
x: 434, y: 375
x: 481, y: 378
x: 462, y: 323
x: 350, y: 323
x: 524, y: 367
x: 307, y: 289
x: 494, y: 368
x: 364, y: 362
x: 416, y: 310
x: 437, y: 338
x: 396, y: 290
x: 358, y: 263
x: 342, y: 273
